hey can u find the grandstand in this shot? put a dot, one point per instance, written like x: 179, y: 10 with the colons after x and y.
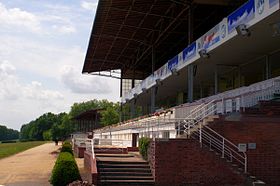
x: 190, y: 66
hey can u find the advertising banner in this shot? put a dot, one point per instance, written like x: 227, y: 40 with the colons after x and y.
x: 161, y: 72
x: 273, y: 3
x: 138, y: 89
x: 144, y: 84
x: 264, y: 8
x: 242, y: 15
x: 173, y: 63
x: 210, y: 38
x: 213, y: 36
x: 150, y: 81
x: 189, y: 52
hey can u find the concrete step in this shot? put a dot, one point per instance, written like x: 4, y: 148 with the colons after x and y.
x: 126, y: 173
x: 127, y: 182
x: 123, y: 166
x: 117, y: 177
x: 143, y: 170
x: 123, y: 162
x: 114, y: 155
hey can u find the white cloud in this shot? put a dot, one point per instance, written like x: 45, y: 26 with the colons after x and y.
x: 8, y: 82
x: 35, y: 90
x: 64, y: 29
x: 15, y: 17
x: 44, y: 59
x: 79, y: 83
x: 12, y: 89
x: 89, y: 5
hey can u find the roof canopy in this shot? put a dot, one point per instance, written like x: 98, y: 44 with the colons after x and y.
x: 88, y: 115
x: 125, y: 31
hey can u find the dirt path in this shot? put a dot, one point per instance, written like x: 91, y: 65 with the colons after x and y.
x: 29, y: 168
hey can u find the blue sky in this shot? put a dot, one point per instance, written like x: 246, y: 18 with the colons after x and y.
x: 42, y: 50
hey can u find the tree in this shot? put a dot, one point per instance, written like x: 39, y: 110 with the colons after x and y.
x: 8, y: 134
x: 110, y: 115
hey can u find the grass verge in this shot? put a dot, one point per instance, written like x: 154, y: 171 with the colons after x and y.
x: 8, y: 149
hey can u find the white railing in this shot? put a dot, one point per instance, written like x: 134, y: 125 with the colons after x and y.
x: 230, y: 101
x: 206, y: 135
x: 198, y: 115
x: 226, y: 102
x: 217, y: 142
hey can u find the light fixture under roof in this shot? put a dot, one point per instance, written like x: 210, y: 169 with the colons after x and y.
x: 158, y: 82
x: 242, y: 30
x: 203, y: 53
x: 174, y: 71
x: 276, y: 29
x: 135, y: 95
x: 144, y: 90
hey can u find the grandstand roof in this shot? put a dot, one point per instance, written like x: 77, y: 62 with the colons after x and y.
x: 88, y: 115
x: 124, y: 32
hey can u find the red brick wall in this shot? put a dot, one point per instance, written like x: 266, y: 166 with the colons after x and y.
x: 79, y: 151
x: 180, y: 162
x: 264, y: 161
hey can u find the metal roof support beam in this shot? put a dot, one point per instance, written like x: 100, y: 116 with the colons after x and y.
x: 118, y: 37
x: 140, y: 24
x: 169, y: 26
x: 162, y: 33
x: 216, y: 80
x: 190, y: 67
x: 143, y: 13
x: 153, y: 91
x: 103, y: 26
x: 119, y: 30
x: 135, y: 27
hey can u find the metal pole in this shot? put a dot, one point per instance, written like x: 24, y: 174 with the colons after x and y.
x: 190, y: 67
x: 153, y: 92
x: 216, y: 80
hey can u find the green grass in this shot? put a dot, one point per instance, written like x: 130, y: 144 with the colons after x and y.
x: 8, y: 149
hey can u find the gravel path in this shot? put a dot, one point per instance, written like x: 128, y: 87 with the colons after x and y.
x: 29, y: 168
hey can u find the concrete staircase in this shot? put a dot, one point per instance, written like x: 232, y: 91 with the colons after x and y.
x: 123, y: 170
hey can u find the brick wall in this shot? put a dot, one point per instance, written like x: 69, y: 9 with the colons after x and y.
x: 264, y: 161
x: 79, y: 151
x: 179, y: 162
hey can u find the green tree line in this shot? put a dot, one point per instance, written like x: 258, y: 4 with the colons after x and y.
x: 8, y: 134
x: 51, y: 126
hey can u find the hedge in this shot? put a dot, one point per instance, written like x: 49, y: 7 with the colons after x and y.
x: 65, y: 170
x: 143, y: 147
x: 66, y: 147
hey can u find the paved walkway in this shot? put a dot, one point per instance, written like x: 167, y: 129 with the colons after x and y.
x: 29, y: 168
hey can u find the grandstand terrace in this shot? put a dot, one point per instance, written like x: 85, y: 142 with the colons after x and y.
x: 206, y: 72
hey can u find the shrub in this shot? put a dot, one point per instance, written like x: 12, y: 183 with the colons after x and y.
x: 9, y: 141
x: 143, y: 147
x: 67, y: 147
x: 65, y: 170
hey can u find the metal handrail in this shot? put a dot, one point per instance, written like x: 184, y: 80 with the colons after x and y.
x: 225, y: 149
x: 196, y: 119
x: 199, y: 115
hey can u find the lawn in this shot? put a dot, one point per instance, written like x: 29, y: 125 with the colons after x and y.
x: 8, y: 149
